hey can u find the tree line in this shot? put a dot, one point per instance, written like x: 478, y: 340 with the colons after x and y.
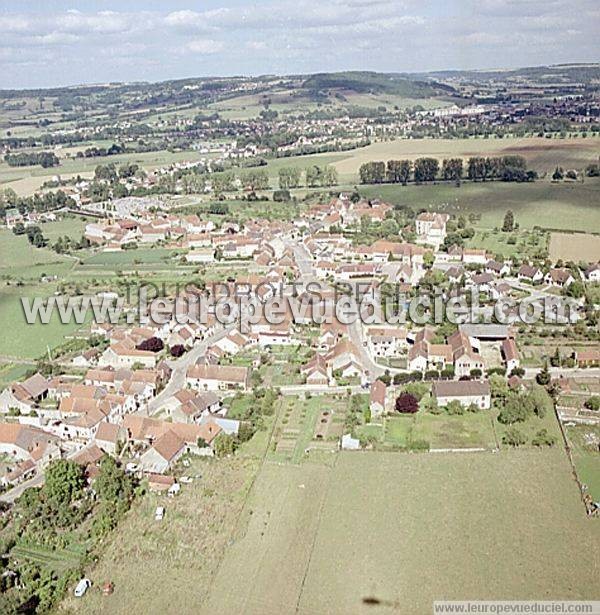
x: 426, y: 169
x: 315, y: 176
x: 44, y: 159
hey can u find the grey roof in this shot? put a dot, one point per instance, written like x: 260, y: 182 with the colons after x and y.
x: 460, y: 388
x: 482, y: 331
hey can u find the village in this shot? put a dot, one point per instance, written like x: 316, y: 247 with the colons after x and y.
x: 153, y: 393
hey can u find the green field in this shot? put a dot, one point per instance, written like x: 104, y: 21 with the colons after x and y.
x: 543, y: 204
x: 131, y: 257
x: 586, y: 457
x: 441, y: 431
x: 407, y: 530
x: 22, y: 340
x: 19, y: 258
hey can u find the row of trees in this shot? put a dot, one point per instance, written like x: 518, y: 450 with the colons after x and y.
x: 44, y: 159
x: 426, y: 169
x: 315, y: 176
x: 94, y: 152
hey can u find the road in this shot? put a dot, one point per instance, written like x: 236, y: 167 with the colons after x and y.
x: 179, y: 367
x: 355, y: 330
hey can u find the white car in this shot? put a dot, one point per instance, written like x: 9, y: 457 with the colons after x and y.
x: 186, y: 480
x: 82, y: 587
x: 160, y: 513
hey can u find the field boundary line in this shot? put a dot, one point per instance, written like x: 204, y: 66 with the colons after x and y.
x: 235, y: 528
x: 314, y: 539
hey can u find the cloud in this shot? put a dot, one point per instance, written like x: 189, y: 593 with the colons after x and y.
x: 205, y: 46
x: 292, y: 36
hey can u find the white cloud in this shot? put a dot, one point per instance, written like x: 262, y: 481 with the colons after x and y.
x: 205, y: 46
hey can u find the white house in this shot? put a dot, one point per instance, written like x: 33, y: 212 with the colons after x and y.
x: 466, y: 392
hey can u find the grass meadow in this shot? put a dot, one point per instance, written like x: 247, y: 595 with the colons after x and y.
x: 449, y: 526
x: 543, y: 204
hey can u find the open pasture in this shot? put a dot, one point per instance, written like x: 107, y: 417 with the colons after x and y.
x: 542, y: 203
x: 455, y: 526
x: 576, y: 247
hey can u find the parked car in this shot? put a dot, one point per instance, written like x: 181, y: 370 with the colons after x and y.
x: 82, y: 587
x: 160, y: 513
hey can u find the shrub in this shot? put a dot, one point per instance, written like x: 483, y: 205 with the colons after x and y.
x: 455, y: 407
x: 178, y: 350
x: 593, y: 403
x: 153, y: 344
x: 513, y: 437
x: 447, y: 372
x: 543, y: 438
x: 406, y: 404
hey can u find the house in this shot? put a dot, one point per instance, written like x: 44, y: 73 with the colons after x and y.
x: 217, y: 377
x: 125, y: 354
x: 530, y: 273
x: 417, y: 357
x: 13, y: 216
x: 497, y: 268
x: 86, y: 358
x: 474, y: 256
x: 344, y: 359
x: 559, y: 277
x: 24, y: 396
x: 191, y: 406
x: 387, y: 342
x: 466, y: 392
x: 377, y: 398
x: 24, y: 470
x: 431, y: 227
x: 24, y: 442
x: 89, y: 458
x: 510, y: 353
x: 592, y: 273
x: 316, y: 371
x: 587, y: 358
x: 108, y: 437
x: 167, y: 442
x: 167, y: 449
x: 36, y: 387
x: 465, y: 358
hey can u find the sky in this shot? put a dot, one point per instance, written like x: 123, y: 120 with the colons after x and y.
x: 54, y: 43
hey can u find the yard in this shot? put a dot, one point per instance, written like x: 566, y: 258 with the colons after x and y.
x: 440, y: 431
